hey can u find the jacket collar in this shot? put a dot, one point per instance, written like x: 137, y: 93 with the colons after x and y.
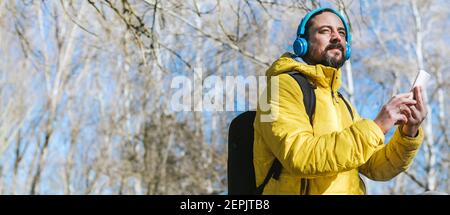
x: 324, y: 76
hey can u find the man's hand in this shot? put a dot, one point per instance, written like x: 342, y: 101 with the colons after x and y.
x: 391, y: 113
x: 414, y: 113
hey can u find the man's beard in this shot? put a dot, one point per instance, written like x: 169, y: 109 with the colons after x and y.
x: 332, y: 60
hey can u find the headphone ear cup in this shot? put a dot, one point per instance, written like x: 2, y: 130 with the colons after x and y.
x: 300, y: 47
x: 348, y: 51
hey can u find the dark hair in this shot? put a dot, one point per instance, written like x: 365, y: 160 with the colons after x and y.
x: 308, y: 24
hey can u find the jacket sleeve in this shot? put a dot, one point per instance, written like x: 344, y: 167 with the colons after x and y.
x: 290, y: 137
x: 394, y: 157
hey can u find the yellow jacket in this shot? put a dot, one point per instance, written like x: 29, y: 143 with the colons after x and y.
x: 325, y: 158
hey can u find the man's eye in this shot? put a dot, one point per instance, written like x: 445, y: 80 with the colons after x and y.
x: 342, y: 34
x: 324, y: 31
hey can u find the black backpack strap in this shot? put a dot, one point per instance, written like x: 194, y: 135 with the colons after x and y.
x: 309, y: 96
x: 347, y: 104
x: 274, y: 172
x: 309, y: 100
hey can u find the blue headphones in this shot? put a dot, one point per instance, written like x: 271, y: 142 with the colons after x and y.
x: 301, y: 44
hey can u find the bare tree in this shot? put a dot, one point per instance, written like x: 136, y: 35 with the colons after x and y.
x: 85, y: 96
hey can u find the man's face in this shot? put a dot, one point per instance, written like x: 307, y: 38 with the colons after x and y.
x: 326, y: 40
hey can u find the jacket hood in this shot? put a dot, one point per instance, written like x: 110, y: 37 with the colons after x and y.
x: 321, y: 75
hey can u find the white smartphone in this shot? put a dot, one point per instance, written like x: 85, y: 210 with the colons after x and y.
x: 422, y: 78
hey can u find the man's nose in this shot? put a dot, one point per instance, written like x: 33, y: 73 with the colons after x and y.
x: 335, y: 37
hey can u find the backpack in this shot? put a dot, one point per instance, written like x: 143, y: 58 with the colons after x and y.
x: 240, y: 171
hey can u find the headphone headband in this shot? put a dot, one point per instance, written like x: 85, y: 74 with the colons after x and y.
x: 301, y: 28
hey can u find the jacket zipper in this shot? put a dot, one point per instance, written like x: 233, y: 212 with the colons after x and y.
x: 332, y: 92
x: 304, y: 190
x: 304, y: 186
